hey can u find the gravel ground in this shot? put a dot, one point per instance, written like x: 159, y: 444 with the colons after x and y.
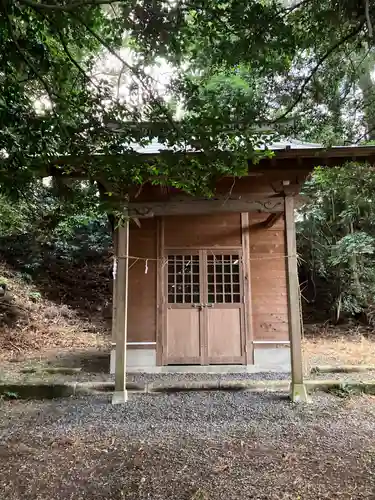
x: 344, y: 377
x: 17, y: 376
x: 185, y: 377
x: 13, y: 374
x: 201, y: 446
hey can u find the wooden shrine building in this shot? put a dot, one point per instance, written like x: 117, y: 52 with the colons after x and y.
x: 203, y: 285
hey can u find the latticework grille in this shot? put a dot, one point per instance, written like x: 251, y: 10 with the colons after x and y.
x: 223, y: 276
x: 183, y: 279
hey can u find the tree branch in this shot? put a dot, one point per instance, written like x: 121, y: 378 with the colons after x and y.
x: 288, y: 10
x: 131, y: 68
x: 119, y: 80
x: 307, y: 80
x: 363, y: 136
x: 81, y: 71
x: 368, y: 19
x: 73, y: 61
x: 30, y: 63
x: 67, y: 7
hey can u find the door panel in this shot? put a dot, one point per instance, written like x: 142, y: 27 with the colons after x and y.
x: 183, y: 342
x: 224, y: 342
x: 224, y: 309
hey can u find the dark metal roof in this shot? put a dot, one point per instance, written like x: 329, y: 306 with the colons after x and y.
x: 285, y: 148
x: 155, y: 147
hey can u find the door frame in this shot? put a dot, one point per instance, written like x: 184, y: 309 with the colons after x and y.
x: 160, y: 312
x: 162, y: 301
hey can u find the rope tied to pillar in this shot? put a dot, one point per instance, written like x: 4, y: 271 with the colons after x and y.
x: 165, y: 259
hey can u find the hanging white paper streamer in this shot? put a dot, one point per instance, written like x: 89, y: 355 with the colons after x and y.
x: 114, y: 270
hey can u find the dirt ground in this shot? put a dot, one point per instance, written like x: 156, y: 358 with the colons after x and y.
x: 327, y: 345
x: 196, y: 446
x: 91, y: 360
x: 186, y: 446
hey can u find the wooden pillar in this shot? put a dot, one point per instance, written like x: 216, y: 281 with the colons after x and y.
x: 160, y: 292
x: 298, y: 389
x: 245, y: 236
x: 114, y: 299
x: 120, y: 312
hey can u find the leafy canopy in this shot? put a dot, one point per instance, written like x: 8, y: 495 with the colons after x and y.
x: 240, y: 68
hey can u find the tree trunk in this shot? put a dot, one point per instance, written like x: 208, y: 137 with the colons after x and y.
x: 366, y: 85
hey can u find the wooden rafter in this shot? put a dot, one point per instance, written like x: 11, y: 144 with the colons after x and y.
x: 272, y: 219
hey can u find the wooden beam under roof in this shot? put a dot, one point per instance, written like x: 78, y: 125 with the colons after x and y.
x: 196, y: 206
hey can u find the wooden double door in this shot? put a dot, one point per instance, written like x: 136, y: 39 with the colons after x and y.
x: 204, y: 308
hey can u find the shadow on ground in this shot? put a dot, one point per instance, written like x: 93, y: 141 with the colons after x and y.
x: 90, y: 361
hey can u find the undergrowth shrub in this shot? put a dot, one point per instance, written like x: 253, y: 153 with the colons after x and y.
x: 336, y: 240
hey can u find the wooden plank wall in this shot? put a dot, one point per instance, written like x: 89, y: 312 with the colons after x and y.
x: 268, y: 279
x: 267, y: 266
x: 142, y: 285
x: 202, y: 231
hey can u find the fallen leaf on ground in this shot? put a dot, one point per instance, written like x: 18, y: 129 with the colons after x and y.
x: 199, y: 495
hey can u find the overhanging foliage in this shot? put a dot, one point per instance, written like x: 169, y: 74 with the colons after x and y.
x: 237, y: 66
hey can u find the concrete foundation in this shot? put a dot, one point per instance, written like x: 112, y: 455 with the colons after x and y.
x: 119, y: 398
x: 299, y: 393
x: 271, y: 359
x: 265, y: 360
x: 137, y: 360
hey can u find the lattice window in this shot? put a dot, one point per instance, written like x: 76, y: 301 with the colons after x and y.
x: 183, y: 279
x: 223, y: 276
